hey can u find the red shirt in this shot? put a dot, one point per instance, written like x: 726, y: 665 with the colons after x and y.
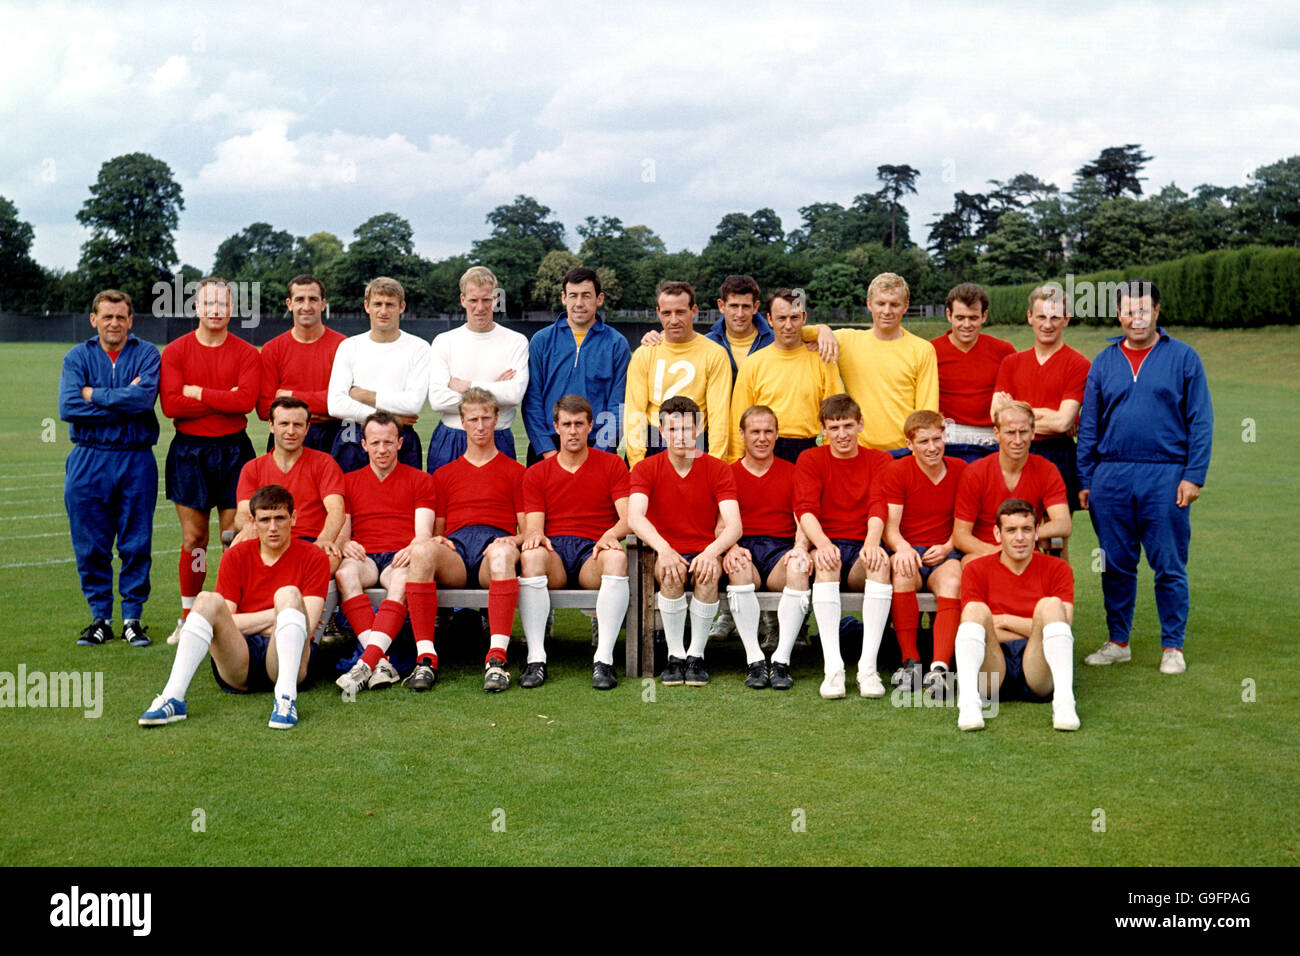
x: 302, y: 367
x: 581, y: 503
x: 927, y: 507
x: 982, y: 489
x: 684, y: 510
x: 842, y: 493
x: 1136, y: 357
x: 766, y: 501
x: 383, y: 512
x: 243, y: 577
x: 967, y: 379
x: 313, y: 476
x: 987, y: 580
x: 1061, y: 378
x: 229, y: 374
x: 491, y: 494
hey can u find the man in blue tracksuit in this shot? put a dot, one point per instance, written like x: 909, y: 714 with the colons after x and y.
x: 742, y: 326
x: 1144, y: 448
x: 579, y: 355
x: 106, y: 393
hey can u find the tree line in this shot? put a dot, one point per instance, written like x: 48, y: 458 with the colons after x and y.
x: 1018, y: 230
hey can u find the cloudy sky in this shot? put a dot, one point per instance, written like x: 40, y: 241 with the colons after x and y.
x: 316, y: 116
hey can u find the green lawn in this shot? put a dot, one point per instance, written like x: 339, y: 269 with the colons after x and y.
x: 1181, y: 770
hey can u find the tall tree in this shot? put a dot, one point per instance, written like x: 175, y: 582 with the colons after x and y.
x: 1116, y: 170
x: 527, y: 218
x: 20, y: 276
x: 897, y: 181
x: 133, y: 208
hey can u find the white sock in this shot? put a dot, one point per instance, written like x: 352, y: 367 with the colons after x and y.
x: 673, y: 612
x: 701, y: 620
x: 744, y: 610
x: 876, y: 600
x: 611, y: 609
x: 499, y: 642
x: 970, y: 655
x: 195, y: 640
x: 1058, y: 648
x: 290, y: 639
x: 534, y: 608
x: 385, y: 641
x: 790, y: 612
x: 826, y: 609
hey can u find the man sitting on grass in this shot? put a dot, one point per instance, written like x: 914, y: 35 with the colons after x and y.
x: 1015, y: 636
x: 269, y: 596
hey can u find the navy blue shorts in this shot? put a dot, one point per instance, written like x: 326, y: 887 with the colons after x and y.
x: 471, y: 541
x: 258, y: 680
x: 723, y: 580
x: 969, y: 453
x: 382, y: 559
x: 446, y: 444
x: 791, y: 448
x: 850, y: 551
x: 203, y: 473
x: 767, y: 552
x: 347, y: 450
x: 574, y: 552
x: 953, y: 555
x: 320, y: 436
x: 1013, y: 685
x: 1060, y: 451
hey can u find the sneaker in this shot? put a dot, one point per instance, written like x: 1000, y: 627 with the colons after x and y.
x: 970, y: 718
x: 602, y: 676
x: 534, y: 674
x: 175, y: 636
x: 674, y: 673
x: 284, y: 714
x: 1109, y: 653
x: 696, y: 675
x: 756, y: 677
x: 1064, y: 716
x: 780, y: 676
x: 135, y: 635
x: 833, y: 686
x: 1171, y: 661
x: 595, y: 633
x: 334, y: 635
x: 869, y: 684
x: 938, y: 684
x: 908, y: 677
x: 355, y: 680
x: 495, y: 676
x: 385, y: 675
x: 163, y: 710
x: 98, y: 632
x: 723, y: 627
x: 769, y: 630
x: 422, y: 678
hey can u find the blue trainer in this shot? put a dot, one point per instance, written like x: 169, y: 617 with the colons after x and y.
x: 284, y: 714
x: 163, y: 710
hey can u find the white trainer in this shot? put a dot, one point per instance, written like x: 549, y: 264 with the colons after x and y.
x: 175, y: 636
x: 970, y: 718
x: 1172, y: 662
x: 870, y: 685
x: 355, y: 680
x: 1064, y: 716
x: 385, y: 675
x: 1109, y: 653
x: 833, y: 686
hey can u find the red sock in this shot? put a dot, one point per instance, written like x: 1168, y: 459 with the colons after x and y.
x: 360, y: 613
x: 907, y: 615
x: 191, y: 580
x: 503, y: 596
x: 422, y: 601
x: 388, y: 621
x: 945, y: 628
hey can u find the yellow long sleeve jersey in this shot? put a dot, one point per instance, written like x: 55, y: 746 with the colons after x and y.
x: 793, y: 383
x: 698, y: 369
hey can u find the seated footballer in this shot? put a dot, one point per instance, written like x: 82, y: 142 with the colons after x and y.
x: 269, y: 596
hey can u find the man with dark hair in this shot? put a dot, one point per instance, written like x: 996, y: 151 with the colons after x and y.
x: 575, y: 520
x: 1144, y: 450
x: 968, y: 363
x: 269, y: 596
x: 107, y: 391
x: 580, y: 355
x: 684, y: 364
x: 741, y: 331
x: 838, y: 504
x: 1015, y: 636
x: 209, y: 383
x: 297, y: 363
x: 683, y: 504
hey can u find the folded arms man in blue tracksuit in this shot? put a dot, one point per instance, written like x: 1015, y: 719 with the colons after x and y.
x: 106, y: 393
x: 1144, y: 449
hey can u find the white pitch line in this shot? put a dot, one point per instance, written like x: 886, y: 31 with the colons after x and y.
x: 33, y: 564
x: 48, y: 534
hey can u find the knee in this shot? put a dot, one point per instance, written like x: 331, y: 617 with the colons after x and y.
x: 533, y: 562
x: 502, y: 558
x: 288, y: 597
x: 208, y: 604
x: 1050, y: 610
x: 976, y: 611
x: 613, y: 562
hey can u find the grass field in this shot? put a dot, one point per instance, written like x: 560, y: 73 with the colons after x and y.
x: 1195, y: 770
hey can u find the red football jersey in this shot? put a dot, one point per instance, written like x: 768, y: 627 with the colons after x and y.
x: 243, y: 577
x: 986, y: 580
x: 967, y: 379
x: 313, y: 476
x: 1062, y: 377
x: 581, y: 503
x: 230, y: 375
x: 843, y: 493
x: 982, y: 489
x: 302, y: 367
x: 766, y: 501
x: 383, y: 512
x: 927, y: 507
x: 491, y: 494
x: 684, y: 510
